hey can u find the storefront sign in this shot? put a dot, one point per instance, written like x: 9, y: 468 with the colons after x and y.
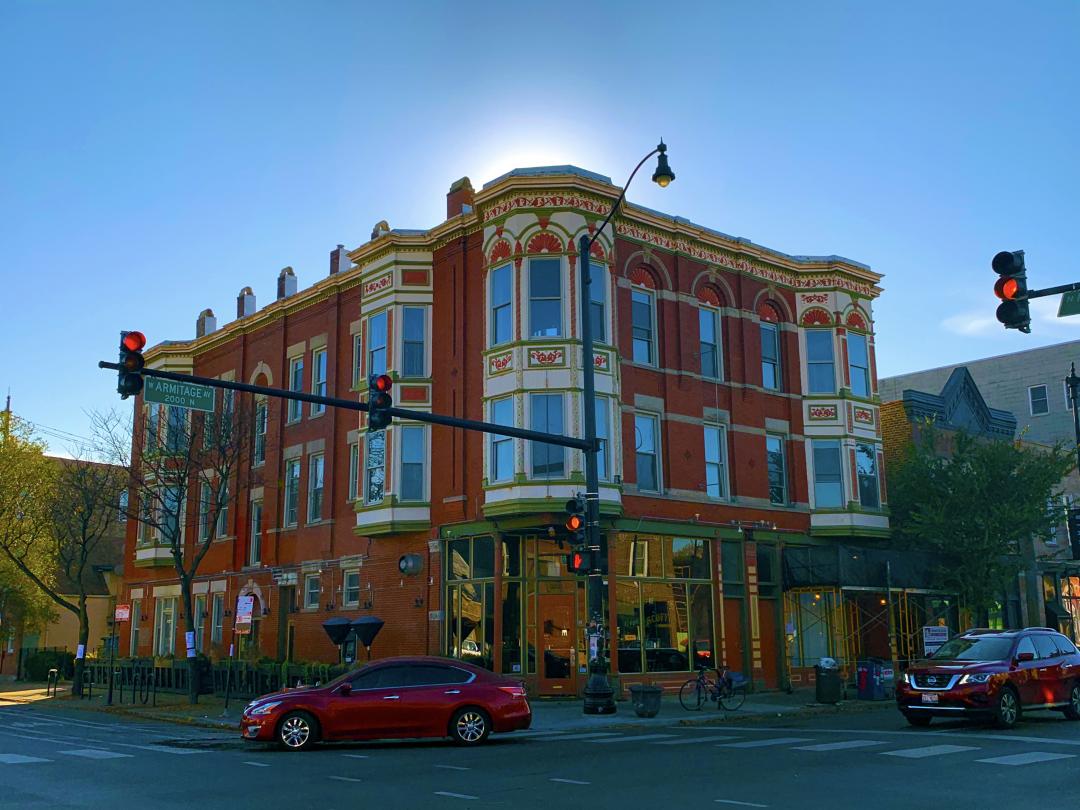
x: 122, y: 613
x: 933, y: 637
x: 244, y: 606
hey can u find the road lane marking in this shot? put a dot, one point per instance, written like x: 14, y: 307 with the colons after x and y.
x: 523, y: 734
x: 839, y: 746
x: 453, y: 795
x: 356, y: 756
x: 162, y: 749
x: 453, y: 767
x: 19, y: 759
x: 635, y: 738
x: 257, y: 764
x: 911, y: 733
x: 929, y: 751
x: 583, y: 736
x: 688, y: 740
x: 568, y: 781
x: 94, y: 753
x: 345, y: 779
x: 740, y: 804
x: 1025, y: 759
x: 766, y: 742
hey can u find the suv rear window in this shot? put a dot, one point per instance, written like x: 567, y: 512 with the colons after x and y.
x: 1065, y: 647
x: 979, y: 648
x: 1045, y: 645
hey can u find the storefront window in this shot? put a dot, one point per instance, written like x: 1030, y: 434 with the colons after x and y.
x: 628, y: 631
x: 808, y: 634
x: 511, y: 628
x: 483, y: 558
x: 470, y: 604
x: 731, y: 561
x: 511, y: 556
x: 766, y: 566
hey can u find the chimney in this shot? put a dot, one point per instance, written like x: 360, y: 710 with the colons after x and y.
x: 206, y: 323
x: 286, y: 283
x: 459, y: 200
x: 245, y: 303
x: 339, y: 260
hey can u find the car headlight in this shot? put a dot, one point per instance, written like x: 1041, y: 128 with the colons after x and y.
x: 976, y: 677
x: 904, y: 678
x: 265, y: 708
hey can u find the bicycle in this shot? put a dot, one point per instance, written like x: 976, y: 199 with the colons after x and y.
x: 727, y: 689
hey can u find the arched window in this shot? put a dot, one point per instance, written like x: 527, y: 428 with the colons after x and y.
x: 711, y: 349
x: 771, y: 368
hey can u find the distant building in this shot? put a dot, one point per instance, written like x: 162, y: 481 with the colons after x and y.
x: 736, y: 384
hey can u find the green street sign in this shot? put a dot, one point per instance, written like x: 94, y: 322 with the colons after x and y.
x: 180, y: 394
x: 1070, y: 304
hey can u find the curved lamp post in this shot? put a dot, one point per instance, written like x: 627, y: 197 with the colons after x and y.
x: 599, y: 696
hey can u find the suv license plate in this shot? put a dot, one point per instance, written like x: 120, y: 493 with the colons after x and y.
x: 929, y: 698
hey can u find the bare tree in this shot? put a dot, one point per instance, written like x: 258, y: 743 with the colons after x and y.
x: 183, y: 469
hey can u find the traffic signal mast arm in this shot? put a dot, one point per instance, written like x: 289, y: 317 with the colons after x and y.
x: 403, y: 413
x: 1064, y: 288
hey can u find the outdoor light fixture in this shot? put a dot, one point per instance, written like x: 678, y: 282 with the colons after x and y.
x: 663, y: 174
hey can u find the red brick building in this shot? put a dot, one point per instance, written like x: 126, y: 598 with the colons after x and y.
x: 735, y: 383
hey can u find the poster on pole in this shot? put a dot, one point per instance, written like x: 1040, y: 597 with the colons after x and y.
x: 933, y: 636
x: 123, y: 613
x: 244, y: 606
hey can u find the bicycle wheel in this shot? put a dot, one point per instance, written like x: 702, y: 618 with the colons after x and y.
x: 692, y: 695
x: 732, y: 697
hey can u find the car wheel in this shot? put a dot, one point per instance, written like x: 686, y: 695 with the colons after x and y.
x: 298, y: 731
x: 1072, y: 711
x: 470, y: 726
x: 920, y: 720
x: 1007, y: 710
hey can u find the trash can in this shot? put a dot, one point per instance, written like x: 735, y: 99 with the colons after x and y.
x: 869, y: 680
x: 828, y: 685
x: 646, y: 699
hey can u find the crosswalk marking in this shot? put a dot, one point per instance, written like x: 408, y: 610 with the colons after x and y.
x: 693, y: 740
x: 164, y: 749
x: 568, y: 781
x: 19, y: 759
x: 356, y: 756
x: 1025, y: 759
x: 764, y: 743
x: 634, y: 738
x: 257, y: 764
x: 929, y: 751
x: 345, y: 778
x: 584, y: 736
x: 454, y: 795
x: 839, y: 746
x: 452, y: 767
x: 95, y: 753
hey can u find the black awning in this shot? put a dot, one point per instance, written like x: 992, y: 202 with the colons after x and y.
x: 851, y: 566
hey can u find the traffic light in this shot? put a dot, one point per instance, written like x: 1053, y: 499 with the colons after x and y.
x: 129, y: 379
x: 579, y: 561
x: 1012, y: 289
x: 379, y: 401
x: 575, y: 520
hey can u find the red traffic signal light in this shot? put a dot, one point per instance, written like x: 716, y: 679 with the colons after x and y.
x: 1007, y: 288
x: 379, y: 401
x: 132, y: 341
x: 383, y: 383
x: 575, y: 523
x: 1011, y: 288
x: 129, y: 379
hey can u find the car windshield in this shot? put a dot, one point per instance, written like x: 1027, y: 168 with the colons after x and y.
x: 992, y: 648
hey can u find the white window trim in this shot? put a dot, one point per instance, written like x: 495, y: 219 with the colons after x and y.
x: 718, y: 335
x: 877, y: 475
x: 354, y: 471
x: 425, y: 362
x: 288, y: 524
x: 425, y: 463
x: 785, y: 467
x: 496, y: 438
x: 255, y: 539
x: 654, y: 335
x: 312, y: 459
x: 527, y: 290
x: 814, y: 472
x: 532, y: 445
x: 291, y: 417
x: 367, y: 469
x: 509, y: 267
x: 657, y: 450
x: 725, y: 483
x: 263, y: 424
x: 599, y: 280
x: 345, y: 602
x: 307, y: 592
x: 318, y: 408
x: 852, y: 368
x: 1031, y: 401
x: 806, y: 354
x: 358, y: 358
x: 778, y: 344
x: 604, y: 401
x: 368, y: 348
x: 217, y: 618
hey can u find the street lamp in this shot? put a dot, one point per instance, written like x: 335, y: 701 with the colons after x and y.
x: 108, y: 569
x: 599, y: 696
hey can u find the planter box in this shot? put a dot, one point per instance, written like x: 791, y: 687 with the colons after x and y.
x: 646, y: 699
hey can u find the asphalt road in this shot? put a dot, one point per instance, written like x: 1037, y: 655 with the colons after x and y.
x: 62, y: 758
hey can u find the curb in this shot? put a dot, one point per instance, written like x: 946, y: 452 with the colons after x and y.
x: 158, y: 716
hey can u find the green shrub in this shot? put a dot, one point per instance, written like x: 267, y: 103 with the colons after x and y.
x: 37, y: 664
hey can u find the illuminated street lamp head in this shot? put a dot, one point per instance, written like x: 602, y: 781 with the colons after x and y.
x: 663, y: 174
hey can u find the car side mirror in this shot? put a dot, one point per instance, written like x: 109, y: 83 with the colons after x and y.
x: 345, y: 689
x: 1025, y: 656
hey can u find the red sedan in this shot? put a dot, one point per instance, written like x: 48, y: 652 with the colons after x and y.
x: 393, y: 698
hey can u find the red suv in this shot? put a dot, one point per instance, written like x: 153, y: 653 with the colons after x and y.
x: 393, y: 698
x: 993, y: 674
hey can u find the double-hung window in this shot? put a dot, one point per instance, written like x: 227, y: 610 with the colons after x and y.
x: 642, y: 309
x: 646, y: 447
x: 546, y: 414
x: 545, y: 297
x: 828, y: 474
x: 376, y: 342
x: 777, y: 466
x: 206, y: 493
x: 312, y: 590
x: 414, y: 332
x: 1038, y: 401
x: 259, y: 451
x: 165, y: 626
x: 292, y: 492
x: 866, y: 466
x: 502, y: 447
x: 375, y: 467
x: 318, y: 379
x: 770, y: 356
x: 501, y: 322
x: 357, y: 359
x: 820, y: 370
x: 296, y: 383
x: 351, y: 589
x: 413, y: 453
x: 200, y: 621
x: 598, y: 278
x: 315, y: 488
x: 858, y: 364
x: 603, y: 435
x: 354, y: 470
x: 222, y: 527
x: 217, y: 618
x: 715, y: 468
x: 712, y: 365
x: 255, y: 544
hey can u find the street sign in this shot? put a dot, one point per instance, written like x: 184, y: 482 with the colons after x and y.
x: 933, y: 636
x: 123, y: 613
x: 244, y: 606
x: 181, y: 394
x: 1070, y: 304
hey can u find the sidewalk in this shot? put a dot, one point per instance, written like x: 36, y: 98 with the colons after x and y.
x: 548, y: 715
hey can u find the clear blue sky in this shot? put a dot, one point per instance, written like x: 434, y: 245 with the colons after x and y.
x: 157, y: 157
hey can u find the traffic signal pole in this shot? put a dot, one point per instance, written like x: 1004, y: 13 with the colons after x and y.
x: 353, y: 405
